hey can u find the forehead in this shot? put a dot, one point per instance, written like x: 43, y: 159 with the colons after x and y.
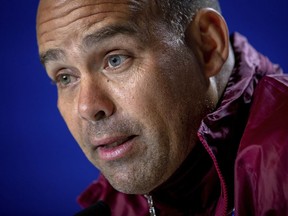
x: 62, y: 19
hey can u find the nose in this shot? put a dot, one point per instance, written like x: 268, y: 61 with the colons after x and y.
x: 94, y: 102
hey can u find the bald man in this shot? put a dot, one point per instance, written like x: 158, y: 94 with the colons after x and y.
x: 179, y: 118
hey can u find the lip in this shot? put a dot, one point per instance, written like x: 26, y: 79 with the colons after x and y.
x: 113, y: 148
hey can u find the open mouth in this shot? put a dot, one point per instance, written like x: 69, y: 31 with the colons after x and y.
x: 116, y: 149
x: 117, y: 143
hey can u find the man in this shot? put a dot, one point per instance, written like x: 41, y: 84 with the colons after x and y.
x: 164, y: 104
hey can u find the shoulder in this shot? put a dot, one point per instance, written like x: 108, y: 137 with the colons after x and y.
x: 269, y: 111
x: 267, y: 125
x: 261, y: 165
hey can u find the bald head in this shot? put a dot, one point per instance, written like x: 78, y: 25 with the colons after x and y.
x: 177, y: 14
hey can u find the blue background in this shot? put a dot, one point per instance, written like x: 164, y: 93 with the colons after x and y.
x: 42, y: 169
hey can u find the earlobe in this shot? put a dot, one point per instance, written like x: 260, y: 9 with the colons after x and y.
x: 207, y: 35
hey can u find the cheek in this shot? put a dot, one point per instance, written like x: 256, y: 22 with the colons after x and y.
x: 68, y: 112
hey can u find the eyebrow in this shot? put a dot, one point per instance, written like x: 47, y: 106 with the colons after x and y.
x: 52, y: 55
x: 90, y: 40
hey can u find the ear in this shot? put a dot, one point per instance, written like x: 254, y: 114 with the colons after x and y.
x: 207, y: 35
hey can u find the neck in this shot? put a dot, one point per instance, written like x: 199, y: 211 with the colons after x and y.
x: 191, y: 183
x: 222, y: 78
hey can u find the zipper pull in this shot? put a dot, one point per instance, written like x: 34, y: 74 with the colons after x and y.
x: 151, y: 205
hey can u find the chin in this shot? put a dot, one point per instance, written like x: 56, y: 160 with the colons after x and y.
x: 132, y: 186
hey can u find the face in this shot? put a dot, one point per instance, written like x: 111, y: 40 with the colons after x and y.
x: 130, y: 95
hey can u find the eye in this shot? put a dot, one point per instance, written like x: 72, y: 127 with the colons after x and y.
x: 115, y: 61
x: 64, y: 80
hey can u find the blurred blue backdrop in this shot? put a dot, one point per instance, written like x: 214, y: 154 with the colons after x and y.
x: 42, y: 168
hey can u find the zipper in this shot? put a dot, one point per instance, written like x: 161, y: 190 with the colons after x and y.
x: 222, y: 180
x: 152, y: 210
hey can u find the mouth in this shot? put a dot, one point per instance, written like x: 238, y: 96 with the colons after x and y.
x: 114, y: 148
x: 116, y: 143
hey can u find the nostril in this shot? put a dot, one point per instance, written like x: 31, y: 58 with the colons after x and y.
x: 100, y: 115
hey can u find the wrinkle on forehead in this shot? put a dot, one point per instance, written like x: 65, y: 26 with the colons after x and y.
x: 56, y: 18
x: 66, y: 7
x: 69, y: 13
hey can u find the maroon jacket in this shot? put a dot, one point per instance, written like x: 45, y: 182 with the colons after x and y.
x: 241, y: 160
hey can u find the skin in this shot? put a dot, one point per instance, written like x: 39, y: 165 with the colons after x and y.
x: 133, y: 83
